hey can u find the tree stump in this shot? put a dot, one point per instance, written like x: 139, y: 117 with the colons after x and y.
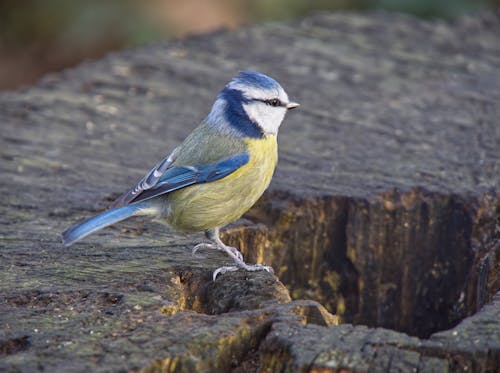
x: 384, y: 209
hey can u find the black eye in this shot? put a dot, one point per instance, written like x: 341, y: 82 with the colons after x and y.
x: 274, y: 102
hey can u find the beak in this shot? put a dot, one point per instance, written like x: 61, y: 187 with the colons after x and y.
x: 292, y: 105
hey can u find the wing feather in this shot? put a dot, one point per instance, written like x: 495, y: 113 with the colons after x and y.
x: 165, y: 179
x: 148, y: 181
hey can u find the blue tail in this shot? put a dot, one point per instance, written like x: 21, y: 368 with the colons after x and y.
x: 100, y: 221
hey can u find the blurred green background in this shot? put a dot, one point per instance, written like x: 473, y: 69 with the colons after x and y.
x: 40, y: 36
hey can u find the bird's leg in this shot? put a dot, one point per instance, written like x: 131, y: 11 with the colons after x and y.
x: 233, y: 252
x: 217, y: 244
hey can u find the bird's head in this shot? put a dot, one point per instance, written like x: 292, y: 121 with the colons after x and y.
x: 252, y: 104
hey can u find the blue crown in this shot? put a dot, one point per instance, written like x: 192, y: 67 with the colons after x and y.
x: 255, y: 79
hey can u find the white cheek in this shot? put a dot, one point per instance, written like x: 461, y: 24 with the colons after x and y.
x: 268, y: 118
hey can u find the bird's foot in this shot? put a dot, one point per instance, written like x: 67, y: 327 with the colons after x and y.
x: 213, y: 246
x: 240, y: 264
x: 235, y: 252
x: 203, y: 245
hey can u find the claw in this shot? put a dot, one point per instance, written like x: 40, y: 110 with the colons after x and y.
x: 257, y: 267
x: 241, y: 265
x: 260, y: 267
x: 206, y: 245
x: 203, y: 245
x: 222, y: 270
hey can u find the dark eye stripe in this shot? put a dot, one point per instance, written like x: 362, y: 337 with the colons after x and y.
x: 275, y: 102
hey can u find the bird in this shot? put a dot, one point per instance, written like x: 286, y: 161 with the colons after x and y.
x: 215, y: 175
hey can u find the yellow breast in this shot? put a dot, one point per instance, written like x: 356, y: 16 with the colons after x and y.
x: 207, y: 206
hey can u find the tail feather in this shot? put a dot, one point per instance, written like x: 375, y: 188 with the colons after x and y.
x: 95, y: 223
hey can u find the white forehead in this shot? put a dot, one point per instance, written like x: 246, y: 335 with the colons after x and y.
x: 260, y: 93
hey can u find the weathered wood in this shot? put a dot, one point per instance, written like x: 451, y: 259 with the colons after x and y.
x: 384, y: 207
x: 317, y: 348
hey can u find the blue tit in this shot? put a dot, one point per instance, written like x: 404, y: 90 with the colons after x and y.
x: 217, y: 173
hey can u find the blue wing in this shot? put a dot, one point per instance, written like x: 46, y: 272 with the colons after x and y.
x: 178, y: 177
